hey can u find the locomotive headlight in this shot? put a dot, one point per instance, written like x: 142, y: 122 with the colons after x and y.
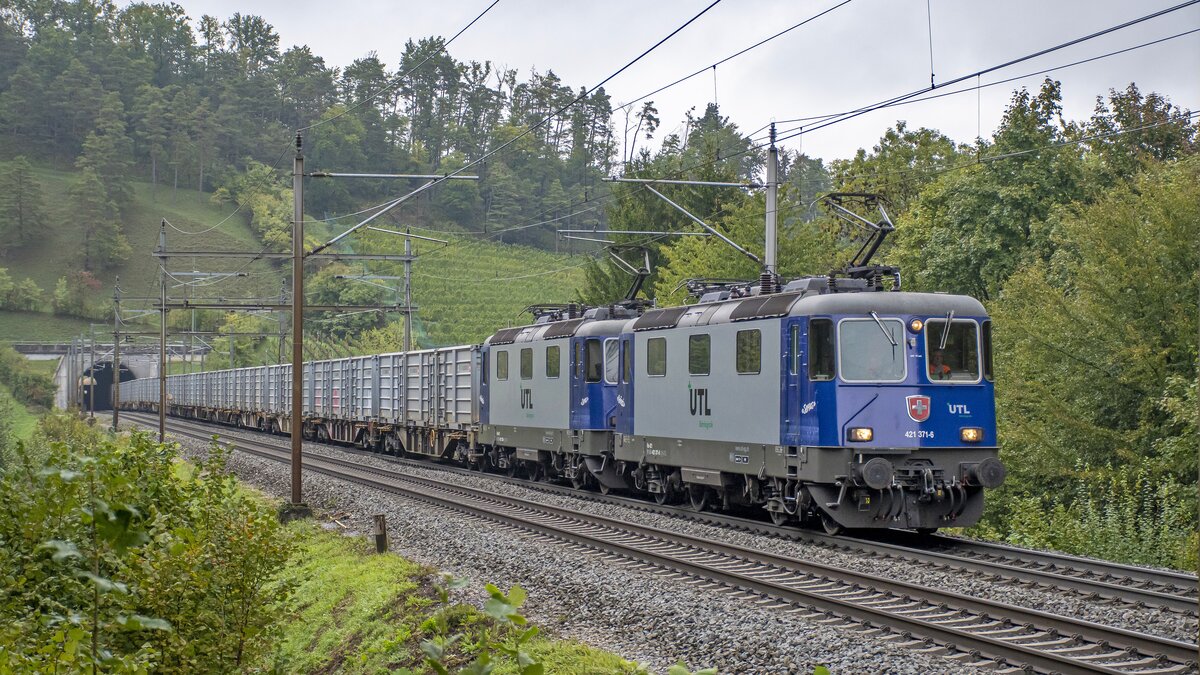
x: 971, y: 434
x: 861, y: 434
x: 916, y: 325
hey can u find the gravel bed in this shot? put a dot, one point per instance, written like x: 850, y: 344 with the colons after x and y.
x: 1147, y: 620
x: 576, y: 595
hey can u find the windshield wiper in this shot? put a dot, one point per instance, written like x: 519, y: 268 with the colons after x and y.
x: 886, y: 333
x: 946, y: 329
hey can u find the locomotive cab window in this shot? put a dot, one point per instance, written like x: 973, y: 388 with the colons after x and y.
x: 593, y: 360
x: 749, y: 352
x: 552, y: 361
x: 656, y: 357
x: 952, y: 355
x: 820, y: 350
x: 626, y: 361
x: 526, y: 364
x: 699, y: 354
x: 871, y: 350
x: 501, y: 365
x: 612, y: 360
x: 987, y: 350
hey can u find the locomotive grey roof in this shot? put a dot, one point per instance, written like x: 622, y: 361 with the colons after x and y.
x: 807, y: 303
x: 556, y: 329
x: 898, y: 302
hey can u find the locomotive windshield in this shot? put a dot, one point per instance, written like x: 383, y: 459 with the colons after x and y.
x: 870, y: 350
x: 956, y: 359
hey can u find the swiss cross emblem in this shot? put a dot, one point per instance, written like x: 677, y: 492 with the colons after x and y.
x: 918, y: 407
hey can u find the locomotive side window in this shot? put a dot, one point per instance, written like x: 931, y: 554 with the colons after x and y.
x: 749, y: 352
x: 579, y: 359
x: 699, y: 354
x: 952, y: 355
x: 484, y: 369
x: 593, y: 361
x: 820, y: 350
x: 656, y: 357
x: 526, y: 364
x: 501, y: 365
x: 987, y: 350
x: 612, y: 360
x: 627, y: 362
x: 552, y: 361
x: 871, y: 351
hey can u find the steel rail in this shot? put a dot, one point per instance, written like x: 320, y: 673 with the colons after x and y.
x: 959, y: 623
x: 1100, y: 580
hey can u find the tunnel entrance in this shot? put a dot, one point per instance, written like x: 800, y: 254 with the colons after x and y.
x: 103, y: 385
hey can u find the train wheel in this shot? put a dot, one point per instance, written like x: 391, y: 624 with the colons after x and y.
x: 661, y: 498
x: 604, y: 489
x: 779, y: 517
x: 698, y: 497
x: 537, y: 471
x: 831, y: 526
x: 579, y: 480
x: 512, y: 468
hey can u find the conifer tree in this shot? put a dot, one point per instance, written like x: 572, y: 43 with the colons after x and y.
x: 22, y: 209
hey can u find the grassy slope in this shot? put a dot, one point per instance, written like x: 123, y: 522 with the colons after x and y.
x: 56, y: 250
x: 464, y: 291
x: 24, y: 421
x: 357, y: 612
x: 39, y: 327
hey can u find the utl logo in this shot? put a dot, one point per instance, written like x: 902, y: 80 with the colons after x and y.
x: 699, y: 401
x: 918, y: 407
x: 527, y: 399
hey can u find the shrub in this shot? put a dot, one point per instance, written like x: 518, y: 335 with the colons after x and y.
x: 118, y: 555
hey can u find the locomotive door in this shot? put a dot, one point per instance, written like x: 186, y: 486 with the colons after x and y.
x: 625, y: 387
x: 579, y: 390
x: 794, y: 368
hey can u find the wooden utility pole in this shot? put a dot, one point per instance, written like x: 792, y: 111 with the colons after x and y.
x: 297, y: 418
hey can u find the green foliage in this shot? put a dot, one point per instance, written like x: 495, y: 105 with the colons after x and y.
x: 1098, y: 344
x: 22, y: 206
x: 118, y: 555
x: 76, y: 294
x: 1124, y: 514
x: 354, y: 611
x: 261, y: 193
x: 21, y: 295
x: 31, y: 387
x: 104, y: 244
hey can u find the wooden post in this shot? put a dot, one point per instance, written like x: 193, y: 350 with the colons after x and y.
x: 381, y: 539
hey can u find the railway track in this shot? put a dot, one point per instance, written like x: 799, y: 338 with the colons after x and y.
x: 967, y: 629
x: 1123, y: 586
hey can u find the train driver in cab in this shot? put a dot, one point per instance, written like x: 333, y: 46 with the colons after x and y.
x: 938, y: 370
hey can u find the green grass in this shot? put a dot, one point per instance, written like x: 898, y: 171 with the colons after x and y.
x: 24, y: 421
x: 47, y: 366
x: 465, y: 291
x: 358, y: 612
x: 55, y: 251
x: 40, y: 327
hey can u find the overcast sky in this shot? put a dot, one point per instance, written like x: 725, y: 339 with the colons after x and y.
x: 863, y: 52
